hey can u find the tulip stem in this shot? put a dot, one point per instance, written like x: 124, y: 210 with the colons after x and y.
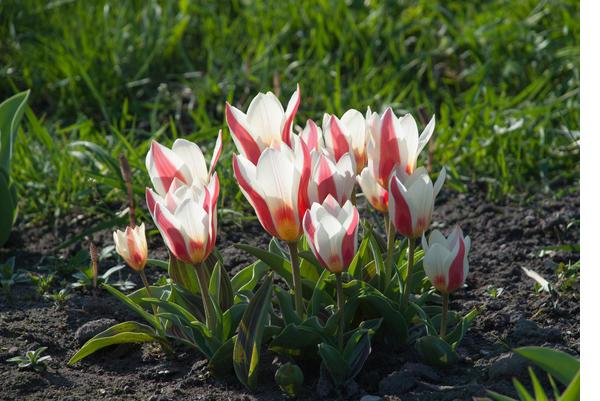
x: 391, y: 234
x: 297, y: 281
x: 444, y: 322
x: 204, y: 292
x: 145, y: 281
x: 340, y: 305
x: 409, y: 269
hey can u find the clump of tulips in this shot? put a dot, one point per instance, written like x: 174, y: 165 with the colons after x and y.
x: 303, y: 188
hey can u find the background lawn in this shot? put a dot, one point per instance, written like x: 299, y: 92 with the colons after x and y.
x: 502, y: 78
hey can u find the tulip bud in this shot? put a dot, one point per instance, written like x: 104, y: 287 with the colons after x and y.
x: 411, y: 201
x: 312, y: 136
x: 131, y: 245
x: 332, y: 233
x: 445, y: 261
x: 289, y: 378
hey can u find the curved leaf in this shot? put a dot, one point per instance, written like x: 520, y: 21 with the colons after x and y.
x: 562, y: 366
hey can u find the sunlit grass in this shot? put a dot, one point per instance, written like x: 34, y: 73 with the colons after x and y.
x: 107, y: 77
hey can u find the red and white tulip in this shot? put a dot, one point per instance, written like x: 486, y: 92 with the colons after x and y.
x: 331, y: 178
x: 394, y: 144
x: 332, y: 233
x: 187, y: 218
x: 411, y: 200
x: 131, y: 245
x: 446, y: 259
x: 312, y: 135
x: 265, y: 124
x: 184, y: 161
x: 347, y: 134
x: 277, y: 187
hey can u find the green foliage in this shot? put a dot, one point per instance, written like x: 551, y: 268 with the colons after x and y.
x: 42, y: 282
x: 246, y: 351
x: 289, y: 378
x: 59, y: 297
x: 557, y: 364
x: 344, y: 365
x: 9, y: 276
x: 32, y: 359
x: 502, y: 81
x: 11, y: 112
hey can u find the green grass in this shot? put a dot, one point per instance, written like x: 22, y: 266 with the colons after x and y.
x: 501, y: 76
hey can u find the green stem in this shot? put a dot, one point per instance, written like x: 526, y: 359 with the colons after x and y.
x: 204, y: 292
x: 411, y: 260
x: 391, y: 236
x: 444, y: 322
x: 340, y: 305
x: 147, y: 285
x: 297, y: 281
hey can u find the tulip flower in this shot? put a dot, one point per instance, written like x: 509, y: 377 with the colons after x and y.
x: 411, y: 207
x: 184, y: 161
x: 277, y: 188
x: 312, y: 136
x: 394, y: 144
x: 187, y: 219
x: 131, y: 245
x: 348, y: 134
x: 446, y: 264
x: 411, y: 201
x: 264, y: 124
x: 332, y: 234
x: 331, y: 178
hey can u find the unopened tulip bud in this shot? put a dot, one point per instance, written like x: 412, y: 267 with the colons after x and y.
x: 131, y: 245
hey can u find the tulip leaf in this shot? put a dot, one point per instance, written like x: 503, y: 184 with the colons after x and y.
x: 221, y: 363
x: 150, y: 318
x: 435, y: 351
x: 334, y: 363
x: 247, y: 278
x: 184, y: 275
x: 360, y: 260
x: 127, y: 332
x: 11, y: 113
x: 246, y: 351
x: 496, y: 397
x: 318, y: 294
x: 562, y: 366
x: 572, y: 391
x: 455, y: 336
x: 286, y: 306
x: 8, y: 205
x: 297, y: 341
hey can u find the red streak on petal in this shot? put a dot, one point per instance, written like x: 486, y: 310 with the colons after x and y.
x: 389, y: 151
x: 439, y: 282
x: 313, y: 135
x: 250, y: 147
x: 197, y: 251
x: 340, y: 143
x: 325, y: 181
x: 303, y: 202
x: 456, y: 274
x: 286, y: 134
x: 259, y: 204
x: 167, y: 172
x: 174, y: 238
x: 402, y: 218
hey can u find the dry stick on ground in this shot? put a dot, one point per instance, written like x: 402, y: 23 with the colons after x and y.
x: 94, y: 258
x: 127, y: 177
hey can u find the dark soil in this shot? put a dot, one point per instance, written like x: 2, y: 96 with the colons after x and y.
x: 505, y: 237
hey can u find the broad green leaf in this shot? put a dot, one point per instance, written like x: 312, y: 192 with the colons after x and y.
x: 296, y: 341
x: 11, y: 112
x: 286, y: 307
x: 572, y: 392
x: 246, y: 351
x: 360, y: 259
x: 221, y: 363
x: 226, y: 298
x: 150, y: 318
x: 8, y: 205
x: 356, y: 352
x: 159, y: 263
x: 496, y: 397
x: 184, y: 275
x: 127, y: 332
x: 318, y: 294
x: 247, y: 278
x: 334, y: 362
x: 561, y: 365
x: 455, y: 336
x: 435, y: 351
